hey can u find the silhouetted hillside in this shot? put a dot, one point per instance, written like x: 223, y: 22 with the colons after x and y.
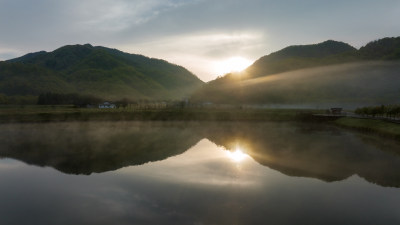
x: 296, y: 57
x: 357, y: 84
x: 99, y: 71
x: 30, y: 79
x: 383, y: 49
x: 301, y: 56
x: 326, y: 73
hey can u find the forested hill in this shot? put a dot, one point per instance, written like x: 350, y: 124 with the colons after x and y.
x: 307, y: 56
x: 327, y: 73
x: 383, y: 49
x: 98, y: 71
x: 302, y: 56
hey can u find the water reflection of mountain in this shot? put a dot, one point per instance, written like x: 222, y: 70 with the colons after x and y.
x: 305, y: 150
x: 317, y: 151
x: 84, y: 148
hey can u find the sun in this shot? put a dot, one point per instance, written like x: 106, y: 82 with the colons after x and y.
x: 233, y: 64
x: 237, y: 155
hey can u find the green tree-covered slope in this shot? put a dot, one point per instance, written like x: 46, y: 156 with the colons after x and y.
x: 329, y: 72
x: 99, y: 71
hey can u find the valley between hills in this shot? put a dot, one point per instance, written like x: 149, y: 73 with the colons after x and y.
x: 315, y: 75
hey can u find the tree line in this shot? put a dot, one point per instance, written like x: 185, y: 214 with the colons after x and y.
x: 388, y: 111
x: 78, y: 100
x: 67, y: 99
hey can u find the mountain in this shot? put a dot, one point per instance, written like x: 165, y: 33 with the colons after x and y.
x: 29, y: 79
x: 351, y: 85
x: 302, y: 56
x: 98, y: 71
x: 322, y: 74
x: 383, y: 49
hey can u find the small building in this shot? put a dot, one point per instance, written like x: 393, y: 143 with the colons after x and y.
x: 336, y: 111
x: 107, y: 105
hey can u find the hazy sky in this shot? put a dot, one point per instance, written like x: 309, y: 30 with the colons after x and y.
x: 205, y: 36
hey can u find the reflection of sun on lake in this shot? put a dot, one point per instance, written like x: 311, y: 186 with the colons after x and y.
x: 237, y: 155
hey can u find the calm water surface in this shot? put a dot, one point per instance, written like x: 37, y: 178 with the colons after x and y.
x: 192, y: 173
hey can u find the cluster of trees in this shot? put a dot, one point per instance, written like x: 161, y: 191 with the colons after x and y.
x: 145, y: 104
x: 17, y: 99
x: 383, y: 49
x: 78, y: 100
x: 99, y: 71
x: 67, y: 99
x: 389, y: 111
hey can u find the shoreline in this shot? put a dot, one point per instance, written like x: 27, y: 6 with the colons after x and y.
x: 46, y: 114
x: 65, y: 114
x: 371, y: 126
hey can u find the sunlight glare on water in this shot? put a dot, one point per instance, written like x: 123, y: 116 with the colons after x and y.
x: 205, y: 163
x: 174, y: 174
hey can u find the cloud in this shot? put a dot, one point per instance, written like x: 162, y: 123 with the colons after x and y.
x: 214, y: 45
x: 199, y: 52
x: 118, y: 15
x: 48, y: 24
x: 7, y: 55
x: 196, y: 32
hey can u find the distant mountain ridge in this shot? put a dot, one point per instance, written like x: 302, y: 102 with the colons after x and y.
x: 302, y: 56
x: 383, y: 49
x: 112, y: 74
x: 328, y: 72
x: 97, y: 71
x: 326, y: 53
x: 324, y: 49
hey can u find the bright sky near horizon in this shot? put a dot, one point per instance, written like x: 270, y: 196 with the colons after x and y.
x: 207, y: 37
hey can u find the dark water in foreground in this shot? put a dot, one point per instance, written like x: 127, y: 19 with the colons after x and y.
x: 192, y: 173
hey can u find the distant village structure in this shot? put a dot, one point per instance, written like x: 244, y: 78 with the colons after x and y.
x: 107, y: 105
x: 336, y: 111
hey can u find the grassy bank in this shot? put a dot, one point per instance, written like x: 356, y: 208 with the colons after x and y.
x: 379, y: 127
x: 68, y: 113
x: 38, y: 114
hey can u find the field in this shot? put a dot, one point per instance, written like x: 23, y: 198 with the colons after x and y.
x: 383, y: 128
x: 35, y: 113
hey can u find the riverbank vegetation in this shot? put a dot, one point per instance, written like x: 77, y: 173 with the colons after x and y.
x: 39, y: 113
x: 69, y: 113
x: 386, y: 111
x: 380, y: 127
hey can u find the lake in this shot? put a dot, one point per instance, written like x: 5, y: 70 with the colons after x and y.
x: 196, y: 173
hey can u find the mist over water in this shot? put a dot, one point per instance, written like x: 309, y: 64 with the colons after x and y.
x: 196, y: 173
x: 85, y: 148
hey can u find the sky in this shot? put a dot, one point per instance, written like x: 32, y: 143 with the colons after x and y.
x: 208, y: 37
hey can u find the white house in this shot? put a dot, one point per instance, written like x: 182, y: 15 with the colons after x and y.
x: 107, y: 105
